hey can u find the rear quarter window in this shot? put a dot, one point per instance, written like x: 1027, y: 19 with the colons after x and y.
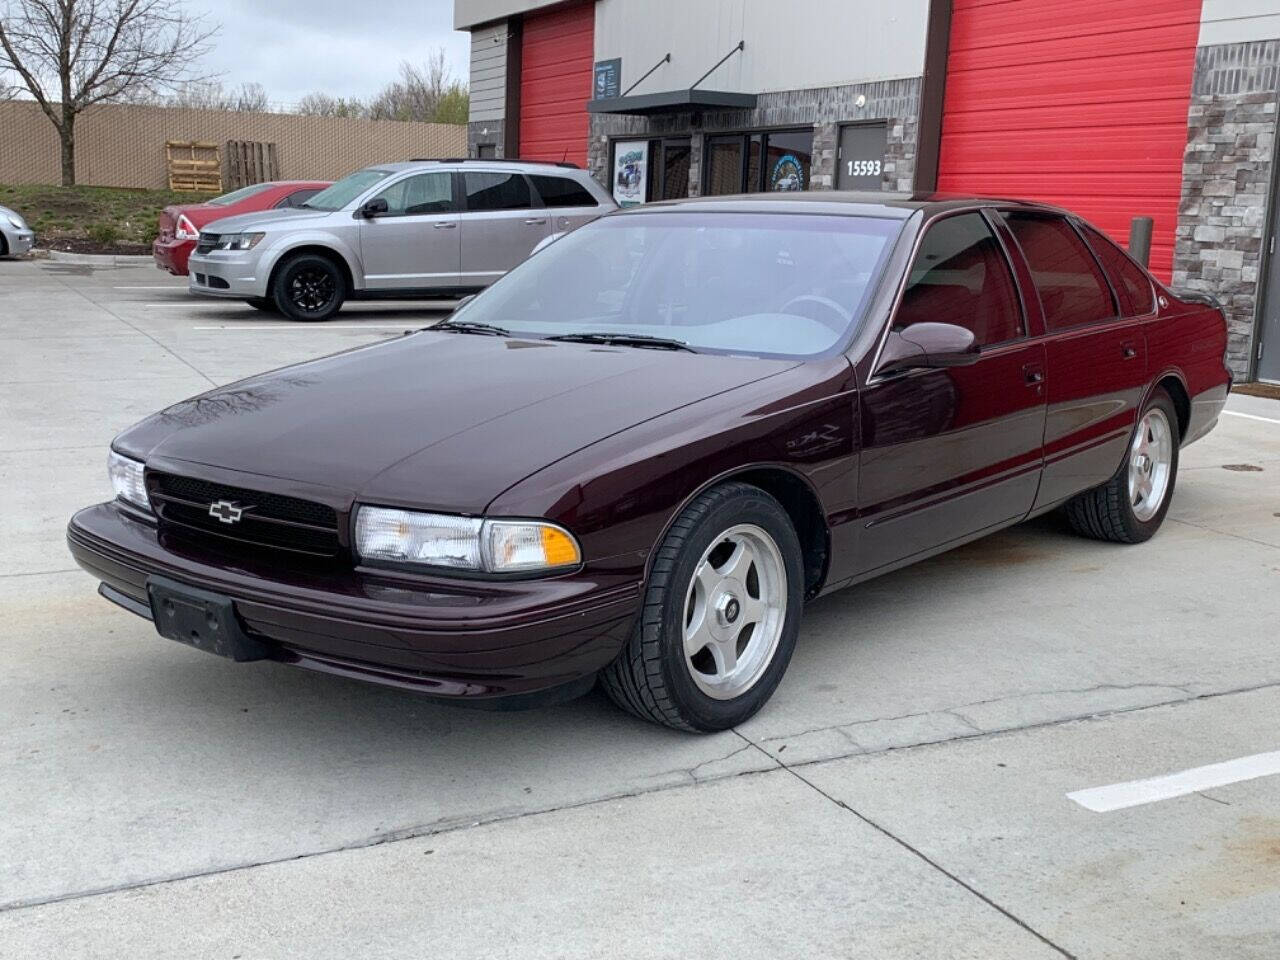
x: 1129, y: 279
x: 563, y: 192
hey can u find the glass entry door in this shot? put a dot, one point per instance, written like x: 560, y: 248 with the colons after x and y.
x: 672, y: 166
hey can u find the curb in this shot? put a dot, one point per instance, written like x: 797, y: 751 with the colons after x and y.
x: 94, y: 259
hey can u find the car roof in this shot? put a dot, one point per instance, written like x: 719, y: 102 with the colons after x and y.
x: 523, y: 166
x: 895, y: 206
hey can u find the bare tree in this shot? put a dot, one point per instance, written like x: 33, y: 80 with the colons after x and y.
x: 72, y: 54
x: 320, y: 104
x: 212, y: 95
x: 420, y: 92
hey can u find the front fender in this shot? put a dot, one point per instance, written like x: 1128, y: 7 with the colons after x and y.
x: 315, y: 240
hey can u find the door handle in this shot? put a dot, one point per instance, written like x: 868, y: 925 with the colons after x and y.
x: 1128, y: 350
x: 1033, y: 375
x: 445, y: 225
x: 536, y: 223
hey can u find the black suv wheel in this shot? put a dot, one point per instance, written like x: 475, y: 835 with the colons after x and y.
x: 309, y: 287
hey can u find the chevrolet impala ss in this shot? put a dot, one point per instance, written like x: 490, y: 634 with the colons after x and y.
x: 634, y: 458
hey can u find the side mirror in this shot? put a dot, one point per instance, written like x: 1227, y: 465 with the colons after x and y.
x: 929, y: 345
x: 374, y: 208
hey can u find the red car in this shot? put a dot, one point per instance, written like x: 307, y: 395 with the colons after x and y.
x: 180, y: 225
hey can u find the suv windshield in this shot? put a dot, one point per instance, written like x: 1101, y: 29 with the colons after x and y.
x: 764, y: 284
x: 235, y: 196
x: 338, y: 195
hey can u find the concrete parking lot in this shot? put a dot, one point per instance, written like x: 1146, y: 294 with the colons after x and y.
x: 904, y: 795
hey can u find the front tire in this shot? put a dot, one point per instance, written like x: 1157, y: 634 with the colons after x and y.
x: 309, y: 288
x: 720, y: 616
x: 1130, y: 507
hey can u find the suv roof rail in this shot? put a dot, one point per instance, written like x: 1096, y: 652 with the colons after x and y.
x: 543, y: 163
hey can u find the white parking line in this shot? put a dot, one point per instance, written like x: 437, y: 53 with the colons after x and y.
x: 1249, y: 416
x: 1137, y: 792
x: 313, y: 328
x: 152, y: 286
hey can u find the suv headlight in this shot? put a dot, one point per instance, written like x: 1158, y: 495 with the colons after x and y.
x: 463, y: 543
x: 238, y: 241
x: 126, y: 478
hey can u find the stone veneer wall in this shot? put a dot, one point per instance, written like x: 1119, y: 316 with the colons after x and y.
x: 1226, y: 177
x: 486, y: 131
x: 823, y: 108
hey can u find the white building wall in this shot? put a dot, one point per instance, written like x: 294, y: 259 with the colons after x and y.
x: 817, y: 43
x: 1239, y: 21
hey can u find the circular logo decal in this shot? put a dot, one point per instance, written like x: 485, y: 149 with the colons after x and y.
x: 787, y: 175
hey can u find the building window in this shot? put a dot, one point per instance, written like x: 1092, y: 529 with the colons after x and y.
x: 759, y: 162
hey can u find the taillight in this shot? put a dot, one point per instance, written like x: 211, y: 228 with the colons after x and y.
x: 186, y: 229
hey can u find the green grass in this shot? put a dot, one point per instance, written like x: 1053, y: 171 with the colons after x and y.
x: 107, y: 216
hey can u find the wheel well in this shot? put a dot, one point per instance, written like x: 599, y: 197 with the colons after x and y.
x: 1181, y: 402
x: 326, y: 252
x: 806, y: 514
x: 4, y: 246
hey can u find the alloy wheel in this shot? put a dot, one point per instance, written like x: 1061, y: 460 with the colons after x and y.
x: 734, y: 611
x: 1150, y: 464
x: 311, y: 289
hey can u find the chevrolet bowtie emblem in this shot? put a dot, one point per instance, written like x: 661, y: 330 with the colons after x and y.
x: 226, y: 511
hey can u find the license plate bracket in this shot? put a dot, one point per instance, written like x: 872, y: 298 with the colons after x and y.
x: 201, y: 619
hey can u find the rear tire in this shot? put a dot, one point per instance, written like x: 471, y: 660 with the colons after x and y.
x: 263, y: 304
x: 309, y: 288
x: 720, y: 614
x: 1130, y: 507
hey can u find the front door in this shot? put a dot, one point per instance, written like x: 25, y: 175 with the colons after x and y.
x: 860, y: 164
x: 416, y: 243
x: 1268, y: 348
x: 948, y: 453
x: 500, y: 225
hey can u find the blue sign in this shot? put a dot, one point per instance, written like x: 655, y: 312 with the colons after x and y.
x: 608, y: 83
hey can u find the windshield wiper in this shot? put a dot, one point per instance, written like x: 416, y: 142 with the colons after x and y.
x: 625, y: 340
x: 465, y: 326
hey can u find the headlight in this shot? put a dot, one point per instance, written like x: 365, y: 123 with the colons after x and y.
x: 126, y: 478
x: 16, y: 221
x: 238, y: 241
x: 463, y: 543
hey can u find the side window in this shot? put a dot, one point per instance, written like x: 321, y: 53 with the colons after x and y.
x: 497, y: 191
x: 297, y: 198
x: 1128, y: 278
x: 563, y: 192
x: 1072, y: 287
x: 423, y: 193
x: 960, y: 276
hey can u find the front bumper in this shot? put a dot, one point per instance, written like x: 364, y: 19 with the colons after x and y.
x: 19, y: 242
x: 225, y: 275
x: 465, y: 640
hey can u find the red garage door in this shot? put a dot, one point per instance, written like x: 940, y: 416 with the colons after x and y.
x: 555, y: 84
x: 1082, y: 104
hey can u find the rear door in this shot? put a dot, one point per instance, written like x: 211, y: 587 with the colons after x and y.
x: 1096, y: 357
x: 416, y: 244
x: 500, y: 225
x: 568, y: 203
x: 949, y: 453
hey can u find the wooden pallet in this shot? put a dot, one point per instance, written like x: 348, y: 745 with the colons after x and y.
x: 195, y: 166
x: 251, y: 161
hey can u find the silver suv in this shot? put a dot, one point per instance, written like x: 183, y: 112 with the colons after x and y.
x: 427, y: 228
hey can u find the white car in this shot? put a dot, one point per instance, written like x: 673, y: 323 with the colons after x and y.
x: 16, y: 238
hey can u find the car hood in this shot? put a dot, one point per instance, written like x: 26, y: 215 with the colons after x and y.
x: 264, y: 219
x: 434, y: 420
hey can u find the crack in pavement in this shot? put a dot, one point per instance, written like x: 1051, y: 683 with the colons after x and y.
x: 1223, y: 533
x: 470, y: 821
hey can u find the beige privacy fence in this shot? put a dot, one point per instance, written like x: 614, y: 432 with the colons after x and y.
x: 124, y: 146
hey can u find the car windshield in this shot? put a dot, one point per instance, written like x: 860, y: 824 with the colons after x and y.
x: 235, y: 196
x: 338, y: 195
x: 783, y: 285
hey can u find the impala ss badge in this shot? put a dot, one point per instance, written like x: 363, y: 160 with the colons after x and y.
x: 226, y: 511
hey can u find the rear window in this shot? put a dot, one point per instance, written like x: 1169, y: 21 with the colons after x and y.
x: 1071, y: 285
x: 563, y: 192
x: 1133, y: 284
x: 497, y: 191
x: 235, y: 196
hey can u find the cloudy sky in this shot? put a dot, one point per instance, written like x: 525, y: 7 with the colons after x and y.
x: 343, y: 47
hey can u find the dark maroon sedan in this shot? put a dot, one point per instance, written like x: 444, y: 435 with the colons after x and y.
x: 636, y: 456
